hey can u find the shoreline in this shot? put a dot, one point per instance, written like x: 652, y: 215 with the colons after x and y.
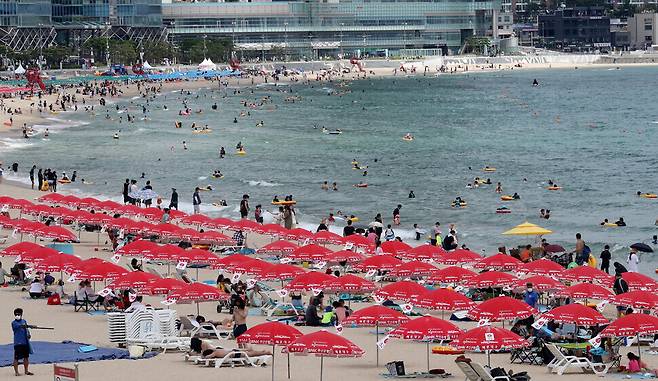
x: 32, y: 116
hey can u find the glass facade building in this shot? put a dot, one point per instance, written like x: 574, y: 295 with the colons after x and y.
x: 25, y: 13
x: 136, y: 13
x: 328, y: 27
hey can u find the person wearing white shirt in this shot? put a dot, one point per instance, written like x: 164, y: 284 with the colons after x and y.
x: 633, y: 261
x: 36, y: 289
x: 137, y: 305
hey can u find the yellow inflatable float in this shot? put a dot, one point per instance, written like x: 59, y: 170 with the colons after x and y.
x: 241, y: 152
x: 462, y: 204
x: 489, y: 169
x: 554, y: 188
x: 506, y: 198
x: 291, y: 202
x: 649, y: 195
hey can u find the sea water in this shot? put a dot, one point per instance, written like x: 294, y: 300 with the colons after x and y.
x: 592, y: 131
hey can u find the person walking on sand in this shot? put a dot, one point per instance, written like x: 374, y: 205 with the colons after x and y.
x: 396, y: 215
x: 126, y: 186
x: 633, y: 261
x: 244, y: 206
x: 580, y: 250
x: 21, y: 342
x: 287, y: 217
x: 196, y: 201
x: 605, y: 259
x: 173, y: 204
x: 40, y: 178
x: 34, y: 167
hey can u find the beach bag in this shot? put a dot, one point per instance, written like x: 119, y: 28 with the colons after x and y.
x: 395, y: 368
x: 498, y: 372
x: 54, y: 300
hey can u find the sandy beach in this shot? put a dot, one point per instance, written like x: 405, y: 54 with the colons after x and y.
x: 92, y: 329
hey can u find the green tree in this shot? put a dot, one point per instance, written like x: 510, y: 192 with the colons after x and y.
x: 56, y: 54
x: 532, y: 10
x: 217, y: 49
x: 97, y: 45
x: 123, y: 52
x: 477, y: 45
x: 156, y: 52
x: 623, y: 10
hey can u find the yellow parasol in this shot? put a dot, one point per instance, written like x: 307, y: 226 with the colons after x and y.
x: 527, y: 228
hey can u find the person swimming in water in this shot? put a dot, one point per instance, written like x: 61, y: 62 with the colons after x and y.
x: 535, y: 83
x: 222, y: 152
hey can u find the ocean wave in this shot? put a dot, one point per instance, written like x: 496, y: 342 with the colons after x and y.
x: 11, y: 144
x: 9, y: 175
x: 261, y: 183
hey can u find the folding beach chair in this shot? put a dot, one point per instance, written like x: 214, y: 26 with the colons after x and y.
x: 83, y: 303
x: 485, y: 375
x: 527, y: 355
x: 468, y: 371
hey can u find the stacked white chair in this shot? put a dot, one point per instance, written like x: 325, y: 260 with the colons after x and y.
x: 116, y: 327
x: 153, y: 329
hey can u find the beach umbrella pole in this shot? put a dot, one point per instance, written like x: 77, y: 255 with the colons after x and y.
x: 639, y: 348
x: 288, y: 365
x: 273, y: 355
x: 489, y: 358
x: 428, y: 356
x: 321, y: 366
x: 377, y: 340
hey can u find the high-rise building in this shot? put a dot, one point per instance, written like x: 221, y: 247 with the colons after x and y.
x: 78, y: 20
x: 575, y: 28
x: 32, y: 24
x: 316, y: 28
x: 26, y: 24
x: 643, y: 29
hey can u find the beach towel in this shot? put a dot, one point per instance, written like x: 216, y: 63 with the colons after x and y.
x: 67, y: 351
x: 636, y: 376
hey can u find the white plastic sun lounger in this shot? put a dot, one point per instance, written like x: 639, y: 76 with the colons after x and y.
x: 562, y: 362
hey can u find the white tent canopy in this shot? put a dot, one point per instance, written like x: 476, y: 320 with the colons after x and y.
x: 20, y: 69
x: 147, y: 66
x: 207, y: 64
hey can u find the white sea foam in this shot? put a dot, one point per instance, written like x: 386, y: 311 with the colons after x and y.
x: 11, y: 144
x: 260, y: 183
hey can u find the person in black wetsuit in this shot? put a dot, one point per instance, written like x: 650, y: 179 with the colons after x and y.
x: 605, y: 259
